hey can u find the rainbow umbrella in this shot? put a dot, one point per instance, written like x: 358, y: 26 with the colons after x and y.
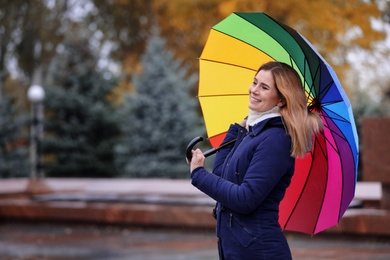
x: 324, y: 181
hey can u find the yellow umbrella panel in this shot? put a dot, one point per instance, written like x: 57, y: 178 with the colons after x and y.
x: 223, y: 84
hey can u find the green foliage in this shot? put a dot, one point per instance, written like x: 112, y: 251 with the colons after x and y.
x: 80, y: 131
x: 31, y: 32
x: 160, y: 118
x: 13, y: 156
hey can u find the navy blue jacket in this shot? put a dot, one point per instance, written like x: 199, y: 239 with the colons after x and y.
x: 248, y: 182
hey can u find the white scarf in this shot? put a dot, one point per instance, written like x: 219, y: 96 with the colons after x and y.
x: 255, y: 117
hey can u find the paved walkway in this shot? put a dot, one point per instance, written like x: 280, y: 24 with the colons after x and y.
x: 138, y: 206
x: 54, y: 241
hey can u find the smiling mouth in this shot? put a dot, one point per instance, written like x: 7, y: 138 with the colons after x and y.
x: 254, y: 100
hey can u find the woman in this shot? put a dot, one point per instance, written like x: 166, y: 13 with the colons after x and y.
x: 250, y: 177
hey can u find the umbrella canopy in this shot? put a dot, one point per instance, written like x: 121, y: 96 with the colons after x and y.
x: 324, y: 181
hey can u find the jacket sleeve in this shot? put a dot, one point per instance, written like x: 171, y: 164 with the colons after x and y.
x: 270, y: 162
x: 220, y: 157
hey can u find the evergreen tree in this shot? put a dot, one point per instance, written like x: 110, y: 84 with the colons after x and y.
x: 80, y: 131
x: 160, y: 118
x: 13, y: 154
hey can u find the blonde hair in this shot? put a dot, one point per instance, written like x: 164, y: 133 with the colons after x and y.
x: 300, y: 123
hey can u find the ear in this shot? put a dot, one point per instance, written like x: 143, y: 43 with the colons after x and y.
x: 281, y: 103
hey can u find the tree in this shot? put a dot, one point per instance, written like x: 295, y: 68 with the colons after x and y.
x: 13, y: 155
x: 80, y: 130
x: 333, y: 27
x: 160, y: 118
x: 30, y: 32
x: 124, y: 24
x: 370, y: 73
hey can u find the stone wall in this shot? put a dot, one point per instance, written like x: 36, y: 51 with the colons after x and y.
x: 375, y: 148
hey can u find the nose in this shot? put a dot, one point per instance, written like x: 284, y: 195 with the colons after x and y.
x: 253, y: 89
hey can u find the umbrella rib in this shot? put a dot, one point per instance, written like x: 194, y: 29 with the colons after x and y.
x: 343, y: 178
x: 314, y: 77
x: 311, y: 91
x: 306, y: 61
x: 249, y: 44
x: 340, y: 119
x: 328, y: 140
x: 324, y: 192
x: 305, y: 185
x: 333, y: 133
x: 222, y: 95
x: 325, y: 89
x: 336, y: 149
x: 323, y: 150
x: 316, y: 74
x: 226, y: 63
x: 304, y: 74
x: 337, y: 119
x: 278, y: 41
x: 336, y: 133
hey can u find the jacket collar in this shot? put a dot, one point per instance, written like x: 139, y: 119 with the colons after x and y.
x: 266, y: 123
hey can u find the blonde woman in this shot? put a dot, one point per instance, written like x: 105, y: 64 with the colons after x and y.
x: 250, y: 177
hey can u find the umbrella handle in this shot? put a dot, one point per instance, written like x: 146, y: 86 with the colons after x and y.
x: 191, y: 145
x: 198, y: 139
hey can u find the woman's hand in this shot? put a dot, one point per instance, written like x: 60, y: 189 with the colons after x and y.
x: 197, y: 160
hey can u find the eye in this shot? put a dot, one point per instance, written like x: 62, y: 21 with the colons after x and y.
x: 263, y: 86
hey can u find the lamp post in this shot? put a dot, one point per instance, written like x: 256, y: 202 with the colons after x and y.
x: 36, y: 95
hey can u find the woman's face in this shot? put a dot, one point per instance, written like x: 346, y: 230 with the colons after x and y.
x: 263, y: 94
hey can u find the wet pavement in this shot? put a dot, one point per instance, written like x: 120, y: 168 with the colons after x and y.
x: 114, y: 210
x: 60, y: 241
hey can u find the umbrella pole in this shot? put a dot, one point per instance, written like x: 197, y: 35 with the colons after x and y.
x: 214, y: 150
x: 198, y: 139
